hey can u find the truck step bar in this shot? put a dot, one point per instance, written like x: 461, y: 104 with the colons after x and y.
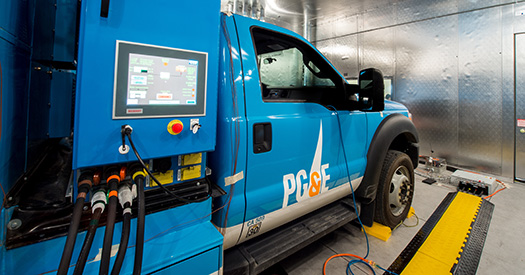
x: 254, y: 256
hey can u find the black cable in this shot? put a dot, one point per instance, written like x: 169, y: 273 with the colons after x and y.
x: 88, y: 241
x: 128, y: 134
x: 83, y: 188
x: 123, y: 240
x: 110, y: 226
x: 139, y: 177
x: 141, y: 221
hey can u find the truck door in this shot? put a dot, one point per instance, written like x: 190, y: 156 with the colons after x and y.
x: 295, y: 162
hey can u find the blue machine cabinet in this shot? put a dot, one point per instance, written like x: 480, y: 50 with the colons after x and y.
x: 166, y: 54
x: 180, y: 25
x: 173, y: 237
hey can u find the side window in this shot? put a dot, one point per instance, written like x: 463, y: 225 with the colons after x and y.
x: 286, y: 68
x: 291, y: 71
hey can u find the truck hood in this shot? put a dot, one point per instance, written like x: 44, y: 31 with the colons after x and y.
x: 394, y: 106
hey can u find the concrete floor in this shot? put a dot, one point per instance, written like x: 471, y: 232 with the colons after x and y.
x: 504, y: 250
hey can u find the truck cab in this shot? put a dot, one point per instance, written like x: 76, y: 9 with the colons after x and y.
x: 294, y: 136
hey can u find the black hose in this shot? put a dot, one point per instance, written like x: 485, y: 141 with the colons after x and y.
x: 123, y: 240
x: 141, y: 219
x: 83, y: 188
x: 88, y: 241
x: 110, y: 226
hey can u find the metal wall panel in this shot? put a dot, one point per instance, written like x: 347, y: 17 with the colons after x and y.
x: 415, y: 10
x: 426, y: 82
x: 477, y: 4
x: 343, y: 53
x: 378, y: 18
x: 291, y: 22
x: 335, y: 28
x: 518, y: 15
x: 292, y: 14
x: 377, y: 51
x: 480, y: 86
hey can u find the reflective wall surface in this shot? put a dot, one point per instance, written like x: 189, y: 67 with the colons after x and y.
x: 451, y: 63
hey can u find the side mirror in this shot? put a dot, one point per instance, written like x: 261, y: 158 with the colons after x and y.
x: 371, y: 90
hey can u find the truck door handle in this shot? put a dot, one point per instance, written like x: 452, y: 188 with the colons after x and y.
x: 104, y: 8
x: 262, y: 137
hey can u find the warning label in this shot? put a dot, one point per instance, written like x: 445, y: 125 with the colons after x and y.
x: 521, y: 122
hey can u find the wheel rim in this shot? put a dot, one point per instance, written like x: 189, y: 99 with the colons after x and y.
x: 400, y: 191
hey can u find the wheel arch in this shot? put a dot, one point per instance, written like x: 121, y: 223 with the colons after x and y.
x: 400, y: 134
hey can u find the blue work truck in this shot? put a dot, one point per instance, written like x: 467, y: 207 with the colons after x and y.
x: 295, y: 137
x: 221, y: 146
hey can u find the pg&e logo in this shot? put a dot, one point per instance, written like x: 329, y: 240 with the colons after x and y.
x: 305, y: 185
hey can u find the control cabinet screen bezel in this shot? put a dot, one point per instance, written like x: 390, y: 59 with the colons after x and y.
x: 121, y: 110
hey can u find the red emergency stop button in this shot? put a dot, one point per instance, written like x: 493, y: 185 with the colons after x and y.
x: 175, y: 127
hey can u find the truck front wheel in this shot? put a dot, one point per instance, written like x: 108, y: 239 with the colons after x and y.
x: 395, y: 190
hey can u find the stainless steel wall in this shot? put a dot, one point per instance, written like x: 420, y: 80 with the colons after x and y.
x: 451, y: 63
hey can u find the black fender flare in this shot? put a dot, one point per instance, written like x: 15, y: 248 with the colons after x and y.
x: 396, y: 131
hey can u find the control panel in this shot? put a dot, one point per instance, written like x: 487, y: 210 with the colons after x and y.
x: 473, y: 183
x: 160, y: 79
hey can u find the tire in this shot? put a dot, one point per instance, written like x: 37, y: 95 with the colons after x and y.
x: 395, y: 190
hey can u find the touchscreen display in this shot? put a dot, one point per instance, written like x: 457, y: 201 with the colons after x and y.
x: 155, y: 80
